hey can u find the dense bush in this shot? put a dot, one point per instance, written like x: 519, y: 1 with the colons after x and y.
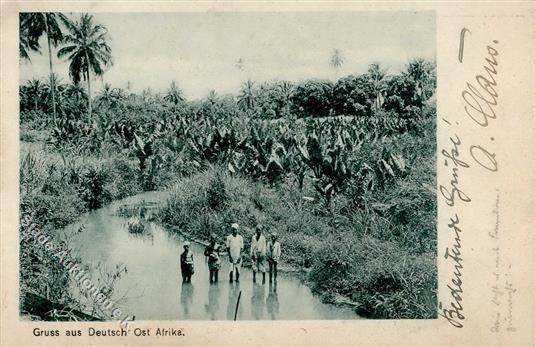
x: 353, y: 96
x: 216, y: 195
x: 55, y: 190
x: 349, y: 186
x: 33, y: 120
x: 313, y: 98
x: 382, y: 278
x: 273, y: 100
x: 403, y: 97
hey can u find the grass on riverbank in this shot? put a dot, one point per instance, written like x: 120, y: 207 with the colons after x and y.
x: 55, y: 189
x: 380, y: 254
x: 345, y: 255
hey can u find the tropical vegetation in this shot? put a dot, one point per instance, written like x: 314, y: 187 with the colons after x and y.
x: 344, y: 170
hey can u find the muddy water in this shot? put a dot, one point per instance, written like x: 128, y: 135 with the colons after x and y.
x: 152, y: 285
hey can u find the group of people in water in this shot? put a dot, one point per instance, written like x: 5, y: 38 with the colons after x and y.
x: 265, y: 256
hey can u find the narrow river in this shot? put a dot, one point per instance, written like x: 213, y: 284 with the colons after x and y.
x: 152, y: 285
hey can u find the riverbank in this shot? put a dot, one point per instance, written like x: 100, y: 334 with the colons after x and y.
x: 154, y: 283
x: 338, y: 261
x: 302, y: 273
x: 380, y: 255
x: 56, y: 189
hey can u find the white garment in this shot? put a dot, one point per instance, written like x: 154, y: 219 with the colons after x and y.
x: 258, y: 247
x: 235, y: 246
x: 275, y: 251
x: 235, y: 267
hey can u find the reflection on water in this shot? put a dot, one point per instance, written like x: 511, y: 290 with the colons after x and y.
x: 152, y: 284
x: 186, y: 298
x: 212, y: 307
x: 257, y: 301
x: 272, y: 301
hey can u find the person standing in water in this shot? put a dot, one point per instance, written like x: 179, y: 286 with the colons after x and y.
x: 274, y: 255
x: 186, y: 263
x: 234, y: 248
x: 258, y: 253
x: 214, y: 262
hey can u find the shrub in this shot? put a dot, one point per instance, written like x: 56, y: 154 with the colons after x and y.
x: 123, y: 179
x: 136, y: 226
x: 404, y: 98
x: 92, y: 189
x: 35, y: 120
x: 383, y: 278
x: 313, y: 98
x: 216, y: 195
x: 353, y: 96
x: 58, y: 210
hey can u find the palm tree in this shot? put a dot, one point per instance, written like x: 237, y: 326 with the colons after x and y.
x: 36, y: 25
x: 26, y: 42
x: 212, y: 97
x: 337, y: 60
x: 56, y: 92
x: 247, y: 96
x: 75, y: 91
x: 110, y: 97
x: 119, y: 95
x: 378, y: 78
x: 146, y: 95
x: 286, y: 90
x: 239, y: 64
x: 75, y: 96
x: 420, y: 71
x: 87, y: 49
x: 34, y: 90
x: 105, y: 96
x: 174, y: 94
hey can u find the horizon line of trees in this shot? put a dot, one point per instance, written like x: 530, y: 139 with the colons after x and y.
x: 353, y: 95
x: 84, y: 44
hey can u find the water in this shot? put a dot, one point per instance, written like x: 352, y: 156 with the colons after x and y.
x: 153, y: 284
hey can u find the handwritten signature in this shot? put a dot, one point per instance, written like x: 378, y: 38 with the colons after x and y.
x: 454, y: 313
x: 453, y: 191
x: 480, y: 102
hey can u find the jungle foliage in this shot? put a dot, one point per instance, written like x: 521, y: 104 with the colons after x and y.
x: 343, y: 170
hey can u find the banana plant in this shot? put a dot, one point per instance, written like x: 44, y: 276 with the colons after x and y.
x: 142, y: 149
x: 218, y: 144
x: 329, y: 162
x: 263, y: 157
x: 390, y: 166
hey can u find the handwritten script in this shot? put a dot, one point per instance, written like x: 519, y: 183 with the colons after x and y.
x: 480, y: 99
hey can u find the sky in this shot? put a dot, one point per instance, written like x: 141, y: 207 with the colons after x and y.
x: 200, y: 50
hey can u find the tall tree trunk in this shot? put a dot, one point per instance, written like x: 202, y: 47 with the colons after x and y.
x: 52, y: 82
x: 89, y: 105
x: 377, y: 102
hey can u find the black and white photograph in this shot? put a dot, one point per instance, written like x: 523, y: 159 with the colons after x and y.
x: 234, y: 166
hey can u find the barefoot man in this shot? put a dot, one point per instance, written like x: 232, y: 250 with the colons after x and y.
x: 258, y: 253
x: 234, y: 249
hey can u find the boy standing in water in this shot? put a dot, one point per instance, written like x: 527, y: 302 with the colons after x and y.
x: 234, y: 249
x: 186, y: 263
x: 274, y: 254
x: 214, y: 263
x: 258, y: 253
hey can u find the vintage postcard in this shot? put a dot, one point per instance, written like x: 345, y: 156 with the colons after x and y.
x: 267, y: 173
